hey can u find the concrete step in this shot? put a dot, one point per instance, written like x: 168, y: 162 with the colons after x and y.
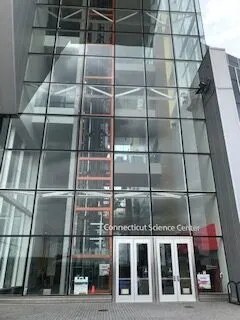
x: 213, y: 297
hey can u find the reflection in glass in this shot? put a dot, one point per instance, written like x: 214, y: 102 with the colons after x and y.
x: 13, y: 254
x: 182, y: 5
x: 170, y: 209
x: 97, y: 100
x: 130, y: 135
x: 156, y: 22
x: 184, y: 269
x: 187, y: 48
x: 124, y: 268
x: 132, y: 208
x: 70, y: 42
x: 210, y: 259
x: 94, y: 171
x: 92, y: 212
x: 199, y: 173
x: 195, y: 136
x: 25, y: 132
x: 129, y: 45
x: 128, y: 20
x: 187, y: 73
x: 47, y: 266
x: 99, y: 43
x: 191, y: 105
x: 158, y: 46
x: 34, y: 98
x: 61, y: 133
x: 166, y: 268
x: 38, y: 68
x: 204, y: 213
x: 53, y: 212
x: 184, y: 23
x: 142, y: 269
x: 167, y: 172
x: 99, y: 19
x: 98, y: 70
x: 129, y: 72
x: 20, y: 169
x: 57, y: 170
x: 131, y: 171
x: 67, y: 69
x: 16, y: 212
x: 130, y: 102
x: 162, y: 103
x: 42, y: 41
x: 72, y: 18
x: 164, y: 135
x: 64, y: 99
x: 46, y: 16
x: 160, y: 73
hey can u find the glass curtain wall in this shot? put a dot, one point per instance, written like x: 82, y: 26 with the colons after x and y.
x: 110, y: 132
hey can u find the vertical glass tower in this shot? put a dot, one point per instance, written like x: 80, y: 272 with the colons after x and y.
x: 108, y: 161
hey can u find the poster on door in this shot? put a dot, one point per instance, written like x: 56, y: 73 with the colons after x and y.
x: 104, y: 269
x: 204, y: 281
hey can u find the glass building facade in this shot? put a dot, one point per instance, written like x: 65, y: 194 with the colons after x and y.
x: 110, y: 133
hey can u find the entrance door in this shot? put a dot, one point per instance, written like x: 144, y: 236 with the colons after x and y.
x: 175, y: 269
x: 133, y: 270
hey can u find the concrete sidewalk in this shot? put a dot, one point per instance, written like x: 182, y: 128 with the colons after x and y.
x: 68, y: 310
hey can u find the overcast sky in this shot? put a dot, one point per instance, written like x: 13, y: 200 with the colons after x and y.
x: 221, y: 19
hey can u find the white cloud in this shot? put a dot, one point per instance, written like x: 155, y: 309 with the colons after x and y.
x: 222, y: 24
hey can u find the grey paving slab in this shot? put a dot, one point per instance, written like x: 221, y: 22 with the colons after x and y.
x: 30, y: 310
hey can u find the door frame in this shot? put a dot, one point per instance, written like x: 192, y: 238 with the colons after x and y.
x: 133, y: 253
x: 173, y: 241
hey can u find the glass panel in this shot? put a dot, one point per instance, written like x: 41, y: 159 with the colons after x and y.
x: 70, y: 42
x: 181, y: 5
x: 92, y: 214
x: 170, y: 214
x: 4, y: 123
x: 34, y: 98
x: 73, y: 18
x: 64, y: 99
x: 97, y: 100
x: 142, y: 269
x: 156, y: 5
x: 187, y: 73
x: 48, y: 1
x: 131, y: 171
x: 100, y: 19
x: 130, y: 135
x: 95, y: 134
x: 128, y: 20
x: 195, y: 136
x: 94, y: 171
x: 79, y: 3
x: 20, y: 169
x: 129, y: 72
x: 61, y: 133
x: 42, y: 41
x: 57, y: 170
x: 187, y: 48
x: 13, y: 254
x: 156, y: 22
x: 191, y: 105
x: 184, y: 23
x: 129, y: 209
x: 204, y: 214
x: 129, y: 45
x: 99, y: 43
x: 164, y: 136
x: 130, y: 102
x: 98, y: 70
x: 133, y: 4
x: 160, y: 73
x: 158, y: 46
x: 53, y: 211
x: 167, y: 172
x: 47, y: 269
x: 38, y: 68
x: 91, y: 258
x: 25, y: 132
x: 46, y: 17
x: 166, y: 268
x: 162, y: 103
x: 199, y: 173
x: 210, y: 265
x: 124, y: 268
x: 67, y: 69
x: 184, y: 269
x: 16, y: 212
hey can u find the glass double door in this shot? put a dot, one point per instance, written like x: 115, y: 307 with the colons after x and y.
x: 154, y: 269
